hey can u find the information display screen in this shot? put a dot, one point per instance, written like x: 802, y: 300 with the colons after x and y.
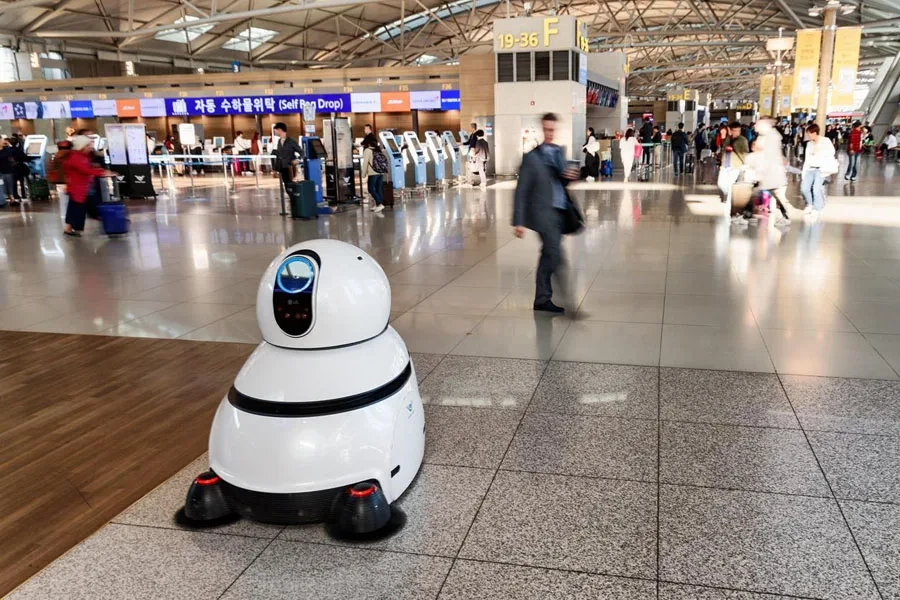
x: 317, y: 149
x: 34, y: 149
x: 392, y: 145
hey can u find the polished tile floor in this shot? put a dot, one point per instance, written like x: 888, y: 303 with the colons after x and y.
x: 720, y: 419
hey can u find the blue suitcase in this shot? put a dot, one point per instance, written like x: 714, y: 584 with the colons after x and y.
x: 114, y: 217
x: 606, y: 168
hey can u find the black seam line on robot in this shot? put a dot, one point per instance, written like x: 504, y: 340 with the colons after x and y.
x: 339, y: 346
x: 267, y: 408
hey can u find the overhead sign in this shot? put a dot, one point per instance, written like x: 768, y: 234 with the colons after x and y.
x: 365, y: 102
x: 6, y: 111
x: 19, y: 110
x: 430, y: 100
x: 450, y: 100
x: 153, y: 107
x: 560, y: 32
x: 846, y: 62
x: 105, y: 108
x: 806, y: 67
x: 259, y: 105
x: 81, y: 109
x: 33, y: 110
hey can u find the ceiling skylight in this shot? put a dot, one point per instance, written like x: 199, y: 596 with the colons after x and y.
x: 249, y: 39
x: 183, y: 36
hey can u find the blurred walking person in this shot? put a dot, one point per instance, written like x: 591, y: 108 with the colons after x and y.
x: 767, y: 162
x: 627, y: 146
x: 734, y: 152
x: 542, y: 205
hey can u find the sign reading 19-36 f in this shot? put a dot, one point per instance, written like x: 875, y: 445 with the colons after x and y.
x: 543, y: 33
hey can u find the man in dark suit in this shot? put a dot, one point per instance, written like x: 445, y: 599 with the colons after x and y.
x: 287, y: 153
x: 540, y: 204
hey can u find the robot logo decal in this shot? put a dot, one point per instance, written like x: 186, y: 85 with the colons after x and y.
x: 293, y: 295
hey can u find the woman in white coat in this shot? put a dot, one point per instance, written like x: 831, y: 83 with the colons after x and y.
x: 767, y: 162
x: 626, y: 151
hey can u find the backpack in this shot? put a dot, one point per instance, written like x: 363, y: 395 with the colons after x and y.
x: 483, y: 150
x: 379, y: 162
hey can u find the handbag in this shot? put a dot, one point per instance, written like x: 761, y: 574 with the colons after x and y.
x: 573, y: 219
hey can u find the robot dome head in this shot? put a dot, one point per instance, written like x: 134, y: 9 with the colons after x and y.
x: 322, y: 294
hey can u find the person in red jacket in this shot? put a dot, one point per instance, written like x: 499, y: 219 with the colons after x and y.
x: 854, y: 149
x: 79, y: 174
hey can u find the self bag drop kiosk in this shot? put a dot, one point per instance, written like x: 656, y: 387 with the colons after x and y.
x: 417, y: 158
x: 395, y: 158
x: 34, y: 147
x: 313, y: 159
x: 453, y: 159
x: 438, y: 154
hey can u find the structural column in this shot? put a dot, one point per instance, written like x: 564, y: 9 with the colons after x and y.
x: 828, y: 31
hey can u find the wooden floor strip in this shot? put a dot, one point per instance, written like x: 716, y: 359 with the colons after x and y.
x: 89, y: 425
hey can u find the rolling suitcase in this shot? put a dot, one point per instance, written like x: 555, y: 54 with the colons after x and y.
x: 113, y: 212
x: 387, y: 193
x: 643, y: 172
x: 303, y: 200
x: 689, y: 164
x: 606, y: 168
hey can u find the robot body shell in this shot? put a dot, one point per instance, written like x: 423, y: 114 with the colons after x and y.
x: 335, y: 447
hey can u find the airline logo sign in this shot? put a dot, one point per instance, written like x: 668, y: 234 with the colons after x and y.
x: 128, y: 108
x: 394, y: 101
x: 6, y: 111
x: 425, y: 100
x: 104, y: 108
x: 153, y: 107
x: 81, y: 109
x: 450, y: 100
x: 369, y: 102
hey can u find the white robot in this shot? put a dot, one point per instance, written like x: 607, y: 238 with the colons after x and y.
x: 324, y: 421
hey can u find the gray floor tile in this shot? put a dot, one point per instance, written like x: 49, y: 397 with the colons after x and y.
x: 888, y: 346
x: 860, y: 467
x: 724, y: 397
x: 760, y: 542
x: 533, y: 338
x: 158, y: 508
x: 597, y: 389
x: 668, y: 591
x: 468, y: 437
x: 874, y: 317
x: 614, y: 343
x: 632, y: 282
x: 462, y: 301
x: 425, y: 364
x: 621, y: 307
x: 849, y: 405
x: 404, y: 297
x: 469, y: 580
x: 592, y: 525
x: 584, y: 446
x: 707, y: 310
x: 703, y: 283
x: 433, y: 334
x: 734, y: 347
x: 825, y: 353
x: 121, y: 561
x: 427, y: 274
x: 875, y: 527
x: 748, y: 458
x: 482, y: 382
x: 289, y: 571
x: 439, y: 506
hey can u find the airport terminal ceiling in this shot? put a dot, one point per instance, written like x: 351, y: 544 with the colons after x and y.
x: 717, y: 44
